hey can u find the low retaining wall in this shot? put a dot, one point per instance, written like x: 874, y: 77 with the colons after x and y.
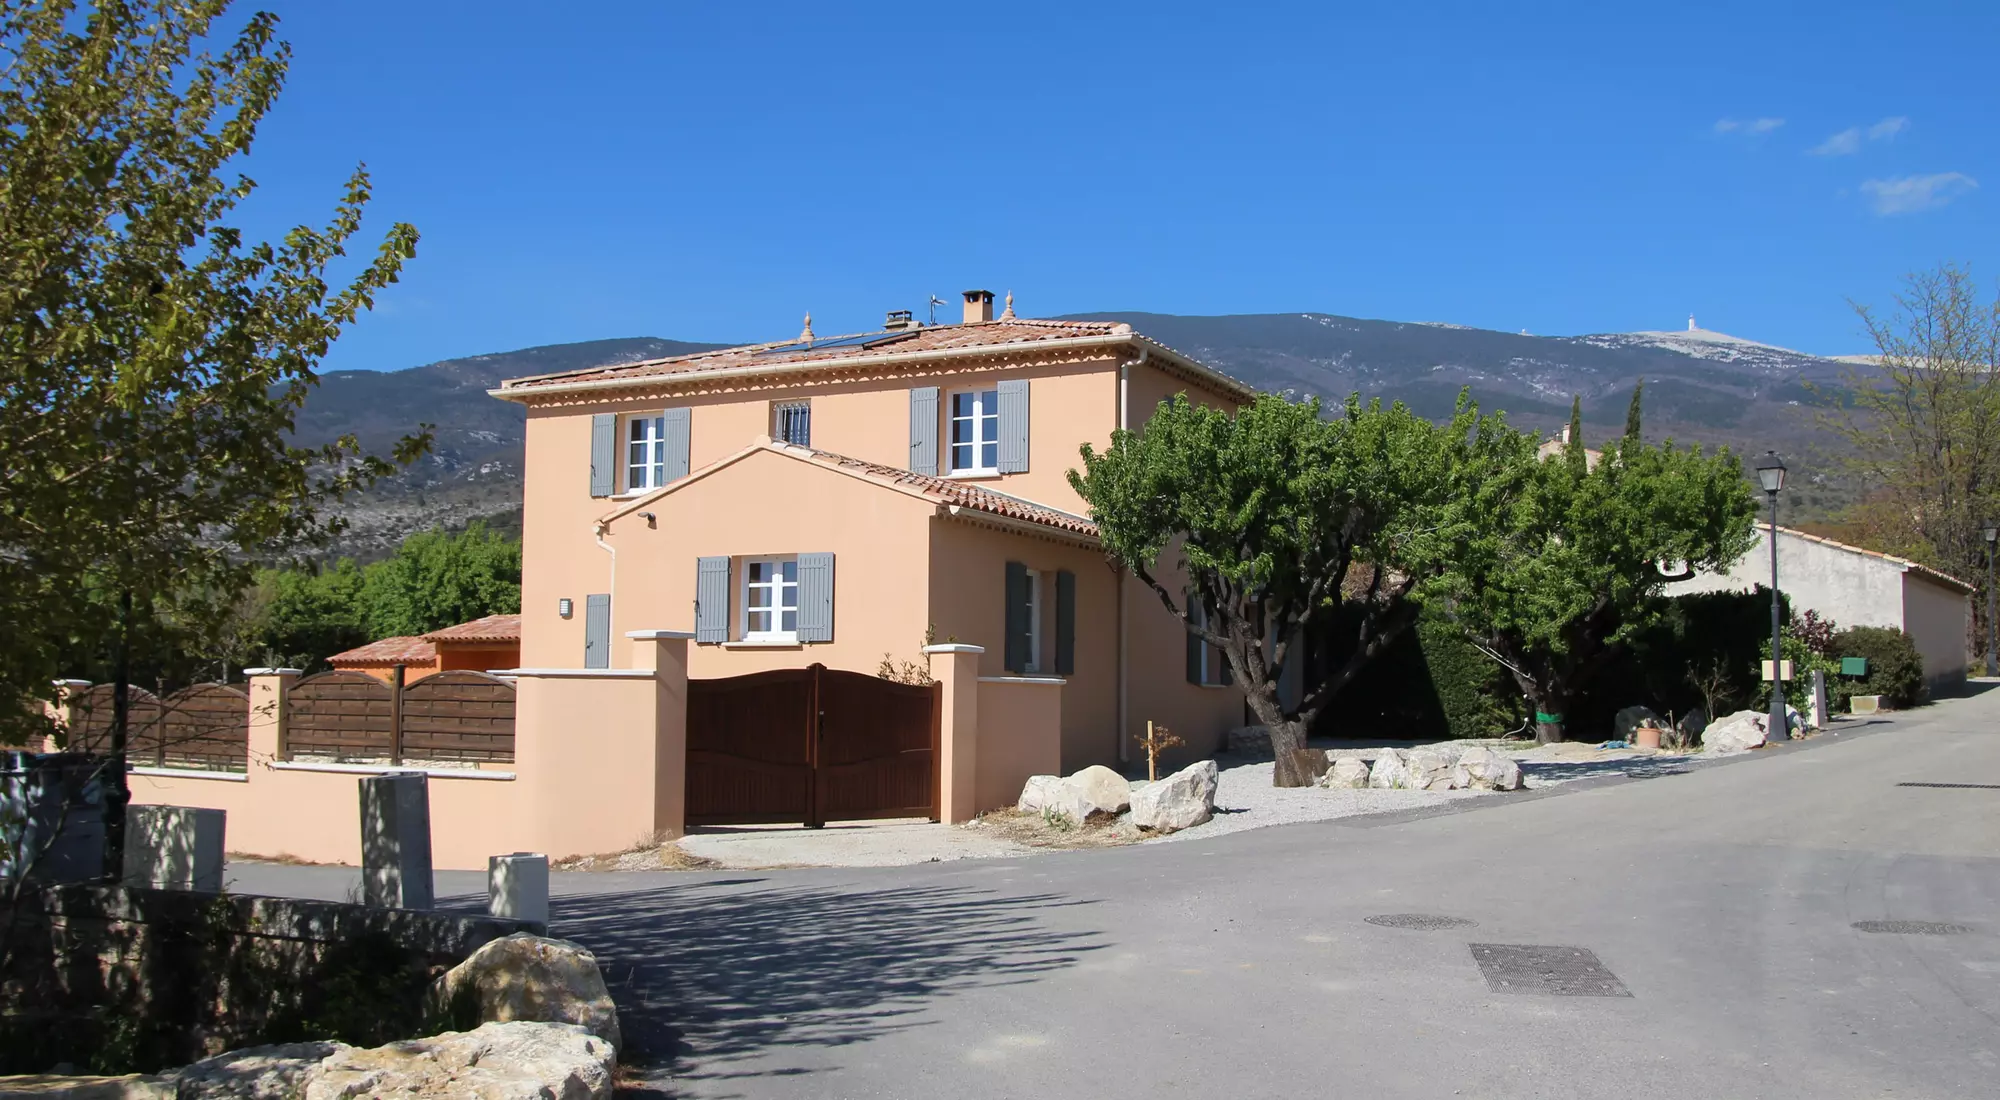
x: 122, y: 980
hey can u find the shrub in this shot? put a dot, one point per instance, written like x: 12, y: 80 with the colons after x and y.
x: 1805, y: 660
x: 1473, y: 692
x: 1895, y: 668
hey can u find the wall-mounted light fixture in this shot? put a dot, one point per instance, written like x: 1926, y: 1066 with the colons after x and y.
x: 565, y: 607
x: 651, y: 519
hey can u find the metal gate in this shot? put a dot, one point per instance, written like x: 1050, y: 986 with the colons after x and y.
x: 810, y: 745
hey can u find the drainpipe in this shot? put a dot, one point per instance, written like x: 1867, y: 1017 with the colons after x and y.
x: 1124, y: 732
x: 611, y: 589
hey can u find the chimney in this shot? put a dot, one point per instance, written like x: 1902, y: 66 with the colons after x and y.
x: 978, y: 306
x: 898, y: 319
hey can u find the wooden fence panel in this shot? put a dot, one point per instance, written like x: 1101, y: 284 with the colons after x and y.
x: 90, y: 718
x: 459, y: 715
x: 207, y: 726
x: 343, y: 714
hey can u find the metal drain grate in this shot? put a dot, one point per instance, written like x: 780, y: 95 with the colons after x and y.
x: 1956, y: 786
x: 1537, y: 968
x: 1421, y: 922
x: 1912, y: 927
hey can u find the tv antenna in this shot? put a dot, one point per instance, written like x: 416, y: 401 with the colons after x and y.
x: 935, y: 302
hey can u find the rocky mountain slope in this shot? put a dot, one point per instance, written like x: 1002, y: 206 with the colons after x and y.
x: 1700, y: 386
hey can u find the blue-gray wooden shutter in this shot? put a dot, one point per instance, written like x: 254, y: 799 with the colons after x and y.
x: 597, y: 630
x: 603, y: 454
x: 815, y: 597
x: 1016, y: 647
x: 1065, y: 622
x: 677, y: 436
x: 1014, y: 426
x: 711, y: 600
x: 924, y: 430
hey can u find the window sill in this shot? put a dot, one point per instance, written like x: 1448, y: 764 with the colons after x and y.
x: 1025, y: 678
x: 765, y: 643
x: 1215, y: 687
x: 972, y: 475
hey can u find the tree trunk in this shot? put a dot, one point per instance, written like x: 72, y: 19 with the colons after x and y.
x: 1551, y: 712
x: 1292, y: 769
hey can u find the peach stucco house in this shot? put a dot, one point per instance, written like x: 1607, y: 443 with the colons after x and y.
x: 835, y: 501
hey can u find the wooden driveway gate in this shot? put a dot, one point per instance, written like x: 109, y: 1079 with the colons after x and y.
x: 810, y: 745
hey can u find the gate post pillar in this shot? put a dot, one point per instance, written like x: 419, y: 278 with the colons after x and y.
x: 666, y: 653
x: 269, y: 688
x: 958, y: 729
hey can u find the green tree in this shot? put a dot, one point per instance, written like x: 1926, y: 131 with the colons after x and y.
x: 1632, y: 412
x: 436, y: 580
x: 1921, y: 425
x: 1283, y: 519
x: 307, y: 615
x: 152, y: 362
x: 1578, y: 559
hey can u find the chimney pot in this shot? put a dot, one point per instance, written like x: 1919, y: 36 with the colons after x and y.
x: 978, y: 306
x: 898, y: 319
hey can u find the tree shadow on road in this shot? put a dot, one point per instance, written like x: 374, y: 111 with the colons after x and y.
x: 709, y: 978
x: 1638, y: 767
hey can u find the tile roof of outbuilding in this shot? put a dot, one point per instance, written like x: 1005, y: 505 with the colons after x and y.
x: 1916, y: 567
x: 491, y: 628
x: 404, y: 650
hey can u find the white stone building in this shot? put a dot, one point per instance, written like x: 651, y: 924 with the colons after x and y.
x: 1856, y: 587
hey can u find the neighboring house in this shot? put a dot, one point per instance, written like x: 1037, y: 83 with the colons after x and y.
x: 837, y: 501
x: 482, y: 644
x: 1557, y: 443
x: 1856, y: 587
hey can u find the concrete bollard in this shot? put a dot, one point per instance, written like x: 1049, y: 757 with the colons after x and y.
x: 396, y: 841
x: 517, y: 887
x: 1821, y: 717
x: 174, y: 848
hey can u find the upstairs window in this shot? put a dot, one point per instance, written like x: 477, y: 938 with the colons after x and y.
x: 771, y: 600
x: 975, y: 432
x: 646, y: 453
x: 791, y: 422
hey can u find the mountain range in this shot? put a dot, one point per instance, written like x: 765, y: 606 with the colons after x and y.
x: 1701, y: 386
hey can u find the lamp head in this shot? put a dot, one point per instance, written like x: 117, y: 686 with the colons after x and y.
x: 1992, y: 532
x: 1771, y: 472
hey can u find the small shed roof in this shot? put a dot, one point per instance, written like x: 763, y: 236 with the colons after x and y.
x: 387, y: 653
x: 489, y: 630
x: 1920, y: 569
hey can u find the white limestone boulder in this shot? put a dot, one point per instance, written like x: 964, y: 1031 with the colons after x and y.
x: 254, y: 1073
x: 527, y: 977
x: 1430, y: 766
x: 1103, y: 791
x: 1740, y: 732
x: 1389, y: 771
x: 1481, y: 769
x: 1346, y: 772
x: 496, y: 1061
x: 1038, y: 793
x: 1180, y: 801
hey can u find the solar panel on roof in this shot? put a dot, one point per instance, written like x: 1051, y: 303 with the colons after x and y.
x: 865, y: 340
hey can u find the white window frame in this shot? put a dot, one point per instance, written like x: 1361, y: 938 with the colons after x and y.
x: 779, y: 409
x: 779, y: 588
x: 656, y: 441
x: 985, y: 416
x: 1034, y: 662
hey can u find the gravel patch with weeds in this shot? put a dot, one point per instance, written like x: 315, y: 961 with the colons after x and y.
x: 1245, y: 799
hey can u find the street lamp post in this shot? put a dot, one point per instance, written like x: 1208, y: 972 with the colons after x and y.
x: 1992, y: 533
x: 1771, y: 475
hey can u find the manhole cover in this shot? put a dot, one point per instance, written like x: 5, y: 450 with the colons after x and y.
x: 1912, y: 927
x: 1540, y: 968
x: 1422, y: 922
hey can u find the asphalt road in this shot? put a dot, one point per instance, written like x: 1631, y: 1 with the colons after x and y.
x: 1719, y: 906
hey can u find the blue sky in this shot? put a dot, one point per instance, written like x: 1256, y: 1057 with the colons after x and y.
x: 714, y: 171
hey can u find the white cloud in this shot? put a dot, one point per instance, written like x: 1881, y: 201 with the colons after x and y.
x: 1909, y: 194
x: 1752, y: 126
x: 1887, y: 128
x: 1848, y: 142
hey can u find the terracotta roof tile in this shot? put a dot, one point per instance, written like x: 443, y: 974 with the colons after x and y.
x: 384, y: 652
x: 963, y: 494
x: 492, y: 628
x: 926, y: 338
